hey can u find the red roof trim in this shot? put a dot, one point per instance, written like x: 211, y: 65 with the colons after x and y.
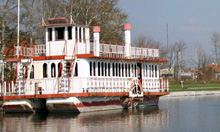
x: 48, y: 57
x: 63, y: 24
x: 112, y: 58
x: 13, y: 60
x: 84, y: 55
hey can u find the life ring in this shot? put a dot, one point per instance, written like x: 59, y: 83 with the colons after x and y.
x: 136, y: 87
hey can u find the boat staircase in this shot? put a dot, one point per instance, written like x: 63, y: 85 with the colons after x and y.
x: 68, y: 71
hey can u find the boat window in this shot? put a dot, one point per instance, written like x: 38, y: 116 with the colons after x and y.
x: 44, y: 70
x: 152, y: 70
x: 60, y: 68
x: 135, y: 70
x: 106, y: 69
x: 132, y: 70
x: 113, y: 69
x: 122, y: 69
x: 143, y: 70
x: 129, y: 72
x: 49, y: 34
x: 53, y: 70
x: 155, y: 70
x: 98, y: 68
x: 84, y: 33
x: 102, y: 69
x: 119, y: 70
x: 126, y: 70
x: 80, y: 34
x: 94, y: 73
x: 76, y: 33
x: 69, y: 32
x: 59, y: 33
x: 76, y: 70
x: 90, y: 65
x: 109, y: 67
x: 146, y: 70
x: 32, y: 72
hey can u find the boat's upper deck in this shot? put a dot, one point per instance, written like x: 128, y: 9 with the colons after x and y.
x: 107, y: 49
x: 63, y: 38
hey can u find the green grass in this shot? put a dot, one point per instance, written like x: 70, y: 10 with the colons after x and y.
x: 194, y: 86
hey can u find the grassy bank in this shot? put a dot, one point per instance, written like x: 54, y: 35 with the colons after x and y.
x: 194, y: 86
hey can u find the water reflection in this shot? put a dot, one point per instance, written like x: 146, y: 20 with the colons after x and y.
x: 116, y: 120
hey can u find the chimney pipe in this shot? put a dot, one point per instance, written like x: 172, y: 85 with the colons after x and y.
x: 127, y: 28
x: 96, y: 36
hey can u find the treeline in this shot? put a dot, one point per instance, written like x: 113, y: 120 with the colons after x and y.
x: 34, y: 13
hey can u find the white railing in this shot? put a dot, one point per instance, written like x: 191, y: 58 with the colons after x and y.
x: 38, y: 50
x: 80, y: 85
x: 106, y: 50
x: 118, y: 51
x: 155, y: 85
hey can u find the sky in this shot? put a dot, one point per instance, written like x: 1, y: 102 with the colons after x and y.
x: 193, y: 21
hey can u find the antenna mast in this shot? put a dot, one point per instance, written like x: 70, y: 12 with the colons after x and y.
x: 18, y: 29
x: 167, y: 35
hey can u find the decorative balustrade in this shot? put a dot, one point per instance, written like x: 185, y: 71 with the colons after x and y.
x: 26, y: 52
x: 106, y: 50
x: 79, y: 85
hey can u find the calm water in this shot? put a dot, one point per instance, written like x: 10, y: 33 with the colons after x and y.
x: 186, y: 114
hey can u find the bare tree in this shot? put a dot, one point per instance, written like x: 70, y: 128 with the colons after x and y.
x: 29, y: 7
x: 104, y: 13
x: 216, y: 44
x: 179, y: 48
x: 200, y: 60
x: 149, y: 42
x: 5, y: 7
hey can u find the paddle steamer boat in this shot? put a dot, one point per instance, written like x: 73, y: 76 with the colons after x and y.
x: 72, y: 73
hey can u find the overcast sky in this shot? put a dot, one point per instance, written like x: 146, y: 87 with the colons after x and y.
x: 193, y: 21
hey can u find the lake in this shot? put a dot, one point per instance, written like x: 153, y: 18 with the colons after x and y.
x: 184, y: 114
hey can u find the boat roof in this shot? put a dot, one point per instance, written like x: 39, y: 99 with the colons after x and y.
x: 61, y: 21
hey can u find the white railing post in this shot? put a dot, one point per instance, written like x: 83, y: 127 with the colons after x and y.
x: 9, y: 88
x: 0, y: 88
x: 5, y: 90
x: 19, y: 87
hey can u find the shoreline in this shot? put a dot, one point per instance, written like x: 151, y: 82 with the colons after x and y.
x: 191, y: 93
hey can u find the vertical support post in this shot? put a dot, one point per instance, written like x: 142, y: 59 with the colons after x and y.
x: 96, y: 36
x: 12, y: 86
x: 65, y: 33
x: 46, y: 34
x: 9, y: 88
x: 82, y: 39
x: 0, y: 89
x: 19, y: 88
x: 127, y: 28
x: 87, y: 40
x: 53, y: 34
x: 5, y: 90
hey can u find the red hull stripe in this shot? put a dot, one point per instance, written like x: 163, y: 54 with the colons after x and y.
x: 63, y: 95
x: 100, y: 103
x: 17, y: 108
